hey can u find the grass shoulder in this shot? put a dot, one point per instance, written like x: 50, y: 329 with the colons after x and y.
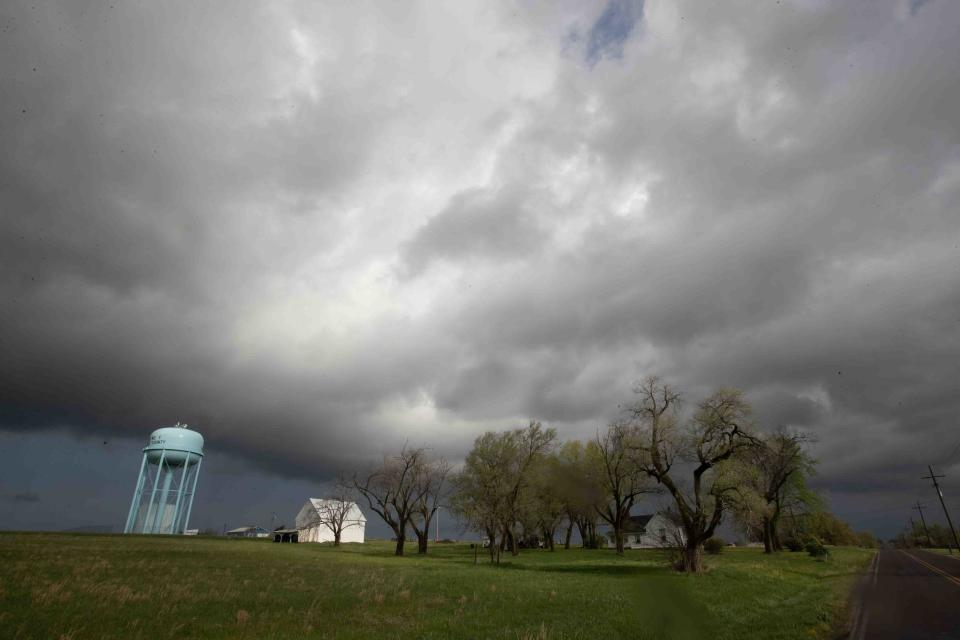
x: 85, y: 586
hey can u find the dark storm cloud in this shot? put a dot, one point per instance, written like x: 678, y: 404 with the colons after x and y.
x: 23, y: 496
x: 319, y: 234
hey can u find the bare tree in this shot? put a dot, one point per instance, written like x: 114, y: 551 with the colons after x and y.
x: 623, y: 479
x: 336, y: 512
x: 432, y: 480
x: 393, y: 489
x: 718, y: 431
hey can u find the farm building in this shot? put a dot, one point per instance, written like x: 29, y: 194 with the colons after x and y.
x: 248, y: 532
x: 649, y: 531
x: 286, y: 535
x: 316, y: 517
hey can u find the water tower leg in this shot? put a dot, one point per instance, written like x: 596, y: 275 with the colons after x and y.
x: 180, y: 491
x: 163, y: 500
x: 135, y: 503
x: 196, y: 476
x: 153, y: 495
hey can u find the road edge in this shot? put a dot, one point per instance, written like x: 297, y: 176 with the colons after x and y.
x: 855, y: 622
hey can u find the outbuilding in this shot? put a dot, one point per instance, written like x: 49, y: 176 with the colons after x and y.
x: 286, y: 535
x: 248, y: 532
x: 318, y: 518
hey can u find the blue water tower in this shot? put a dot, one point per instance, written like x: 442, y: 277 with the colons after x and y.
x: 163, y: 496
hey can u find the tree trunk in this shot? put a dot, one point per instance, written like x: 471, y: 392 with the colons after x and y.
x: 422, y: 539
x: 566, y: 542
x: 401, y: 538
x: 581, y: 527
x: 767, y: 537
x: 692, y: 556
x: 514, y: 547
x: 775, y: 530
x: 336, y: 538
x: 618, y: 538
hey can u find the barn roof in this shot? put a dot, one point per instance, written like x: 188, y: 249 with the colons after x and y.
x: 354, y: 513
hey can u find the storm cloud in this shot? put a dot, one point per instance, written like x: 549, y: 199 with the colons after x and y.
x: 317, y: 232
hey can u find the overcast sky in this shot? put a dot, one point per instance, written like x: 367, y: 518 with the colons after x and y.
x: 316, y: 231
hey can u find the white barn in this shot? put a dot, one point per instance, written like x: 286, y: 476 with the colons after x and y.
x: 649, y: 531
x: 316, y: 511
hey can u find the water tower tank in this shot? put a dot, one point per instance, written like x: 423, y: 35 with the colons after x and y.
x: 163, y: 496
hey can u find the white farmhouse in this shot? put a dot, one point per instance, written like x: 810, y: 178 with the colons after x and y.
x: 649, y: 532
x: 317, y: 514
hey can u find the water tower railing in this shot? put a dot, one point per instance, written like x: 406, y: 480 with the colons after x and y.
x: 193, y: 490
x: 137, y: 495
x: 176, y: 508
x: 152, y: 505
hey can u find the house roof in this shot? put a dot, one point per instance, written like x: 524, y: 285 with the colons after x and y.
x: 637, y: 524
x: 248, y: 530
x: 354, y: 514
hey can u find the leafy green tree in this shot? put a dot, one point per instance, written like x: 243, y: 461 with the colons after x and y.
x: 772, y: 479
x: 580, y: 489
x: 496, y: 486
x: 830, y: 529
x: 867, y: 540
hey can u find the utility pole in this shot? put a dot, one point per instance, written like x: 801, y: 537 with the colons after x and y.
x: 936, y: 486
x: 926, y: 532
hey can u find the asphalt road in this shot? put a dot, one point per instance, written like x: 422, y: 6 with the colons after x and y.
x: 908, y: 595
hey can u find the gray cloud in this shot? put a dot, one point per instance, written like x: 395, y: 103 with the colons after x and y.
x: 494, y: 225
x: 23, y: 496
x: 317, y: 233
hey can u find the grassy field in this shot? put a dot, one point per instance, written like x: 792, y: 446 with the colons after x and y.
x: 85, y: 586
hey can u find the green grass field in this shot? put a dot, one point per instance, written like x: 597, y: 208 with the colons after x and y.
x: 65, y: 586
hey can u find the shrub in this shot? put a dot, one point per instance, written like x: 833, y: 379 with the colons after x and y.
x: 714, y: 545
x: 597, y: 541
x: 793, y: 544
x: 816, y: 549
